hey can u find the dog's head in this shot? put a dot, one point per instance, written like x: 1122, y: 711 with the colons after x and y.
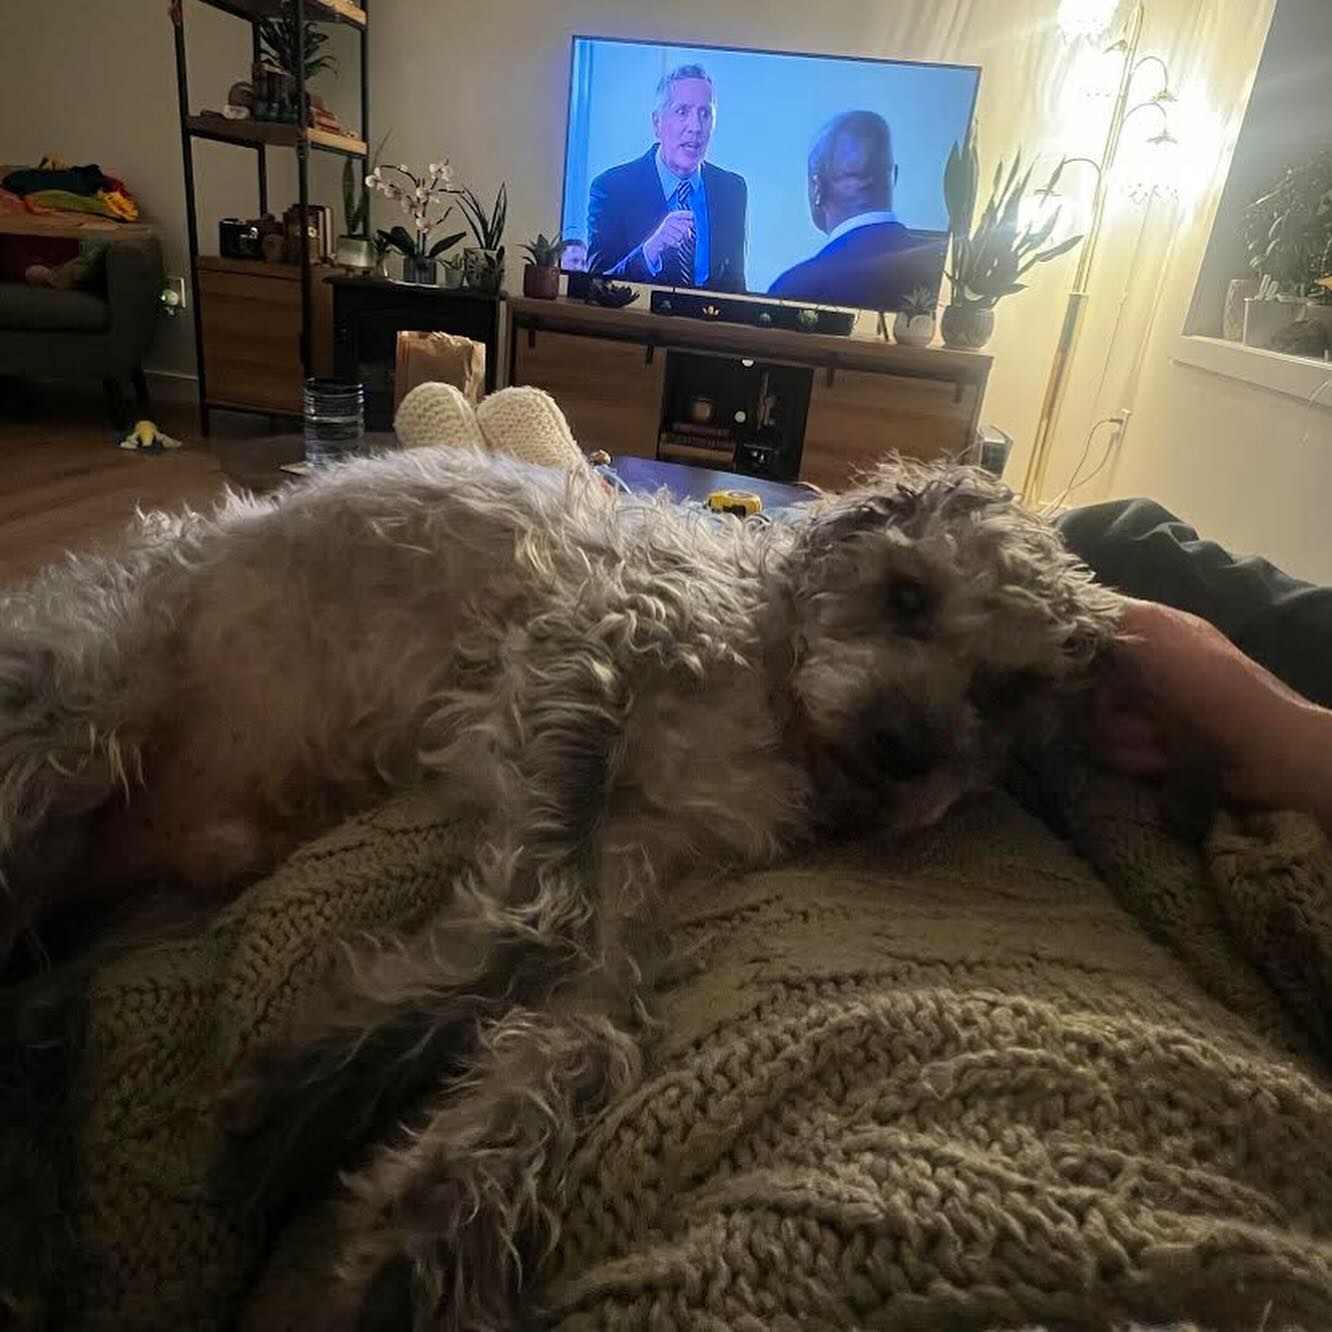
x: 931, y: 620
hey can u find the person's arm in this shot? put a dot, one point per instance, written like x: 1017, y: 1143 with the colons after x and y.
x: 605, y: 252
x: 1182, y: 684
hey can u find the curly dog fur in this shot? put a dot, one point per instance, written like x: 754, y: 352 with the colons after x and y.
x: 625, y: 690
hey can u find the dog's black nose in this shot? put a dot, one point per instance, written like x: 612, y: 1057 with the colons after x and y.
x: 904, y: 752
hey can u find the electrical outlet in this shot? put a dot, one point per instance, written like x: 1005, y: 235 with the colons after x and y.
x: 176, y: 294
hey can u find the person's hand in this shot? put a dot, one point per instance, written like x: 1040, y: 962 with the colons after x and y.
x: 676, y: 227
x: 1180, y: 687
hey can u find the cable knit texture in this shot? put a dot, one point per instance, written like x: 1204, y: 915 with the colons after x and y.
x: 525, y: 422
x: 946, y: 1083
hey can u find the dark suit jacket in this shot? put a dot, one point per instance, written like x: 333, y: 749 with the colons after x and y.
x: 871, y: 267
x: 626, y: 206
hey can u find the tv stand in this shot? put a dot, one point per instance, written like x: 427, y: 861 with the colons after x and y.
x: 816, y: 407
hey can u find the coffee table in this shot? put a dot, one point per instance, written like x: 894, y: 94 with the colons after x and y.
x: 647, y: 475
x: 257, y: 464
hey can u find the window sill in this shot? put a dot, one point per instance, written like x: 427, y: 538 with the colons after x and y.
x: 1295, y: 376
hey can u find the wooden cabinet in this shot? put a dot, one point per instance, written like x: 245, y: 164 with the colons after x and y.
x: 866, y: 398
x: 251, y: 317
x: 610, y: 391
x: 859, y: 417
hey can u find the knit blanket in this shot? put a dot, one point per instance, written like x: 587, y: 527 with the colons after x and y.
x: 971, y: 1079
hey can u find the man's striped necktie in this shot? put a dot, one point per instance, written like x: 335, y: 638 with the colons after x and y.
x: 684, y: 254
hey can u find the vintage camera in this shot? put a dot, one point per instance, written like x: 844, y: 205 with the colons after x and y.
x: 239, y: 239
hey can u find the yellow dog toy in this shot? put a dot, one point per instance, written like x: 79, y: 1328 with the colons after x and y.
x: 147, y: 438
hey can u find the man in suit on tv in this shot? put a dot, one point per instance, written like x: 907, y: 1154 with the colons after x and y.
x: 870, y: 260
x: 670, y: 216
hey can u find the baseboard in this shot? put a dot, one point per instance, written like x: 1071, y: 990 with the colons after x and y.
x: 172, y: 385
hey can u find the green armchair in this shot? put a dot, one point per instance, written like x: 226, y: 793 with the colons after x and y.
x: 102, y: 331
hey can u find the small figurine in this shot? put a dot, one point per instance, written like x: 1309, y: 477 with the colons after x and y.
x: 147, y: 438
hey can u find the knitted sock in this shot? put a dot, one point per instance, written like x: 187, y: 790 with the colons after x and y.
x: 523, y: 422
x: 438, y: 414
x: 526, y: 423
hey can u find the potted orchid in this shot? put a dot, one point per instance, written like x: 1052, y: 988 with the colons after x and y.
x: 422, y: 199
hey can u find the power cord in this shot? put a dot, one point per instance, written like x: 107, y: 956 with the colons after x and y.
x: 1119, y: 420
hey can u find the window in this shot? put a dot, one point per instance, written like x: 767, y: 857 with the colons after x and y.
x: 1288, y: 124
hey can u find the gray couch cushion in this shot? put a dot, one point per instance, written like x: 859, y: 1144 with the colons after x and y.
x: 25, y: 307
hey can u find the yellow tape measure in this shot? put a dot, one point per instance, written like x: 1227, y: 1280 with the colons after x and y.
x: 742, y: 503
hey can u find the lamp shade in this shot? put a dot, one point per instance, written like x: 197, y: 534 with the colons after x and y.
x: 1153, y: 169
x: 1087, y: 20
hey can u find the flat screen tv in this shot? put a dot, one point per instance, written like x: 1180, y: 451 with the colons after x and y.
x: 816, y: 179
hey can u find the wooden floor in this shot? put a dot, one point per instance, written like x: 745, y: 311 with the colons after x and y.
x: 64, y: 485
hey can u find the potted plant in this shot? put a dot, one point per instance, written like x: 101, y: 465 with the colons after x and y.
x: 355, y: 250
x: 988, y: 255
x: 420, y: 198
x: 275, y: 75
x: 913, y: 325
x: 1288, y: 234
x: 483, y: 263
x: 451, y: 271
x: 280, y: 42
x: 1288, y: 228
x: 541, y: 277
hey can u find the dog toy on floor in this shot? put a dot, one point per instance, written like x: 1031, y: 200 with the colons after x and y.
x: 521, y: 421
x: 147, y: 438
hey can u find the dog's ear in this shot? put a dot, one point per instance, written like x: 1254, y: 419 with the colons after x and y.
x: 903, y: 495
x: 860, y: 514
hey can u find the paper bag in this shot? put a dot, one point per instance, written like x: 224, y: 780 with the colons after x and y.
x: 439, y: 358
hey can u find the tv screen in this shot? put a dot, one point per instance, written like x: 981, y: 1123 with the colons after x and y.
x: 816, y: 179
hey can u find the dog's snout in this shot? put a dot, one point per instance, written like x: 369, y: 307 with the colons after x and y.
x: 904, y: 753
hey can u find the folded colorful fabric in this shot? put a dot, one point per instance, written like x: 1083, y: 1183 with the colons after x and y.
x: 82, y: 189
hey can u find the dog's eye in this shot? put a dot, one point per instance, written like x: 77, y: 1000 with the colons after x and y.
x: 909, y: 600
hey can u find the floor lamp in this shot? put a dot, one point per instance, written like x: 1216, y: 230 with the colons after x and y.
x: 1092, y: 18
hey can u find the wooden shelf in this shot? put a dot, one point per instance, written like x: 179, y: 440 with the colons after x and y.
x: 210, y: 125
x: 318, y: 11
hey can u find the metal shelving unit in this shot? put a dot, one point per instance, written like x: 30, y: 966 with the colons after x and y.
x: 260, y: 136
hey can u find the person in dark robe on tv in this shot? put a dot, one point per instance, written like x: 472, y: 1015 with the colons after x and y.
x: 671, y: 216
x: 871, y: 260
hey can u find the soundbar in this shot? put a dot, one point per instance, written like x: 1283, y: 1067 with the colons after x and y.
x: 759, y: 314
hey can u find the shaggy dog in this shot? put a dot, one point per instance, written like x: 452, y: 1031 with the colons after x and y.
x: 618, y: 690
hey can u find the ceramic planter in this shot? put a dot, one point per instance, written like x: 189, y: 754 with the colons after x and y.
x: 484, y: 269
x: 355, y: 254
x: 913, y: 330
x: 967, y: 327
x: 1264, y: 318
x: 541, y: 283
